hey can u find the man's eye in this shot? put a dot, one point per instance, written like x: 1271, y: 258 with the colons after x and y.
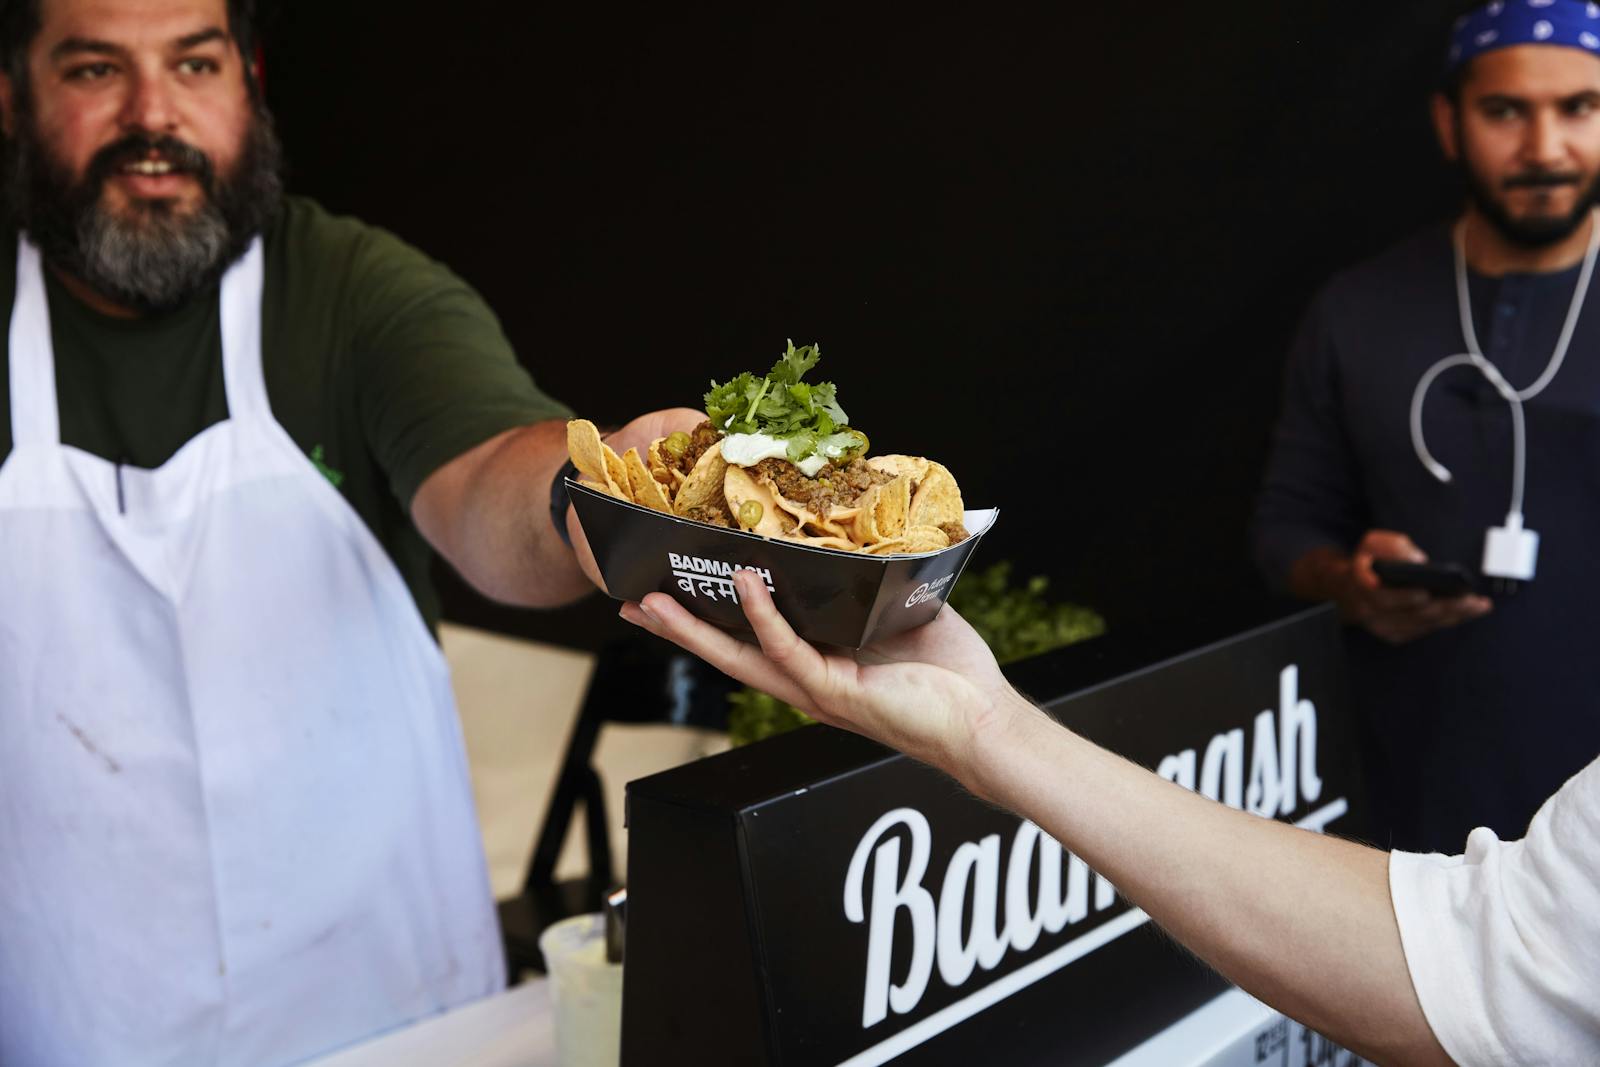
x: 90, y: 72
x: 1580, y: 108
x: 199, y: 66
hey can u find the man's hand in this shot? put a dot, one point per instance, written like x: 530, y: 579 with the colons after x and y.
x: 927, y: 692
x: 637, y: 434
x: 1393, y: 615
x: 647, y: 428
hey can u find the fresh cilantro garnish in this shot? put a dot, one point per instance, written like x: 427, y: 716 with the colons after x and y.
x: 807, y: 416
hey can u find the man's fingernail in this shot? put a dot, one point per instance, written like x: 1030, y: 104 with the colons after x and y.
x: 647, y: 613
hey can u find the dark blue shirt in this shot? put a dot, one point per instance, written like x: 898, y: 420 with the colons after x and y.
x: 1478, y: 724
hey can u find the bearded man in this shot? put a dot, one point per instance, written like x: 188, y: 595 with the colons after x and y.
x: 1448, y: 387
x: 235, y: 823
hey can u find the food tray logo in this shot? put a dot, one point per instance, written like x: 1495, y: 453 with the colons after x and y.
x: 711, y: 578
x: 929, y: 590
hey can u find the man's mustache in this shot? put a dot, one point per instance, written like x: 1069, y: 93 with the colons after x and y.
x: 183, y: 158
x: 1541, y: 179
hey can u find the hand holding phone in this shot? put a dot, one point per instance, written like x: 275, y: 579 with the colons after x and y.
x: 1437, y: 579
x: 1416, y: 598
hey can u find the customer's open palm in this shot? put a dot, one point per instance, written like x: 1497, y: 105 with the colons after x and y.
x: 924, y: 692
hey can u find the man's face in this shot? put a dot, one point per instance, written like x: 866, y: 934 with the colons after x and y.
x: 1526, y: 133
x: 139, y: 161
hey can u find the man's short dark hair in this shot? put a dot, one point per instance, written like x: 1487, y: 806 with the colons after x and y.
x: 20, y: 22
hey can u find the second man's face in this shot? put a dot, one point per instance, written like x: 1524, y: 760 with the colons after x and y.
x: 1528, y: 133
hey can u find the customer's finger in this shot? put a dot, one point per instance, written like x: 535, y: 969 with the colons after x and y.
x: 802, y: 663
x: 1401, y: 601
x: 1456, y: 610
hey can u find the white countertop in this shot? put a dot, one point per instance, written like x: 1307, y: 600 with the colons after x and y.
x: 515, y: 1029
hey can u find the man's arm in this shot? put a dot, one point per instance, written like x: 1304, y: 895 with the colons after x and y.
x: 1300, y: 920
x: 1297, y: 919
x: 488, y: 511
x: 1311, y: 497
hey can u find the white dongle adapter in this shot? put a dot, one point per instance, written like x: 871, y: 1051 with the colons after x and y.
x: 1511, y: 551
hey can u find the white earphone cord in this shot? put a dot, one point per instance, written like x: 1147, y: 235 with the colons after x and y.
x: 1475, y: 357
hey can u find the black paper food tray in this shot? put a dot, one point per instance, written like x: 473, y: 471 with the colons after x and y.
x: 829, y: 597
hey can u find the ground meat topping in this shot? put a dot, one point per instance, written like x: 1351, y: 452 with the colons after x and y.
x: 956, y: 532
x: 700, y: 441
x: 833, y: 486
x: 713, y: 513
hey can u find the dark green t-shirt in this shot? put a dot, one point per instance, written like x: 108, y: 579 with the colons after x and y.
x: 381, y: 364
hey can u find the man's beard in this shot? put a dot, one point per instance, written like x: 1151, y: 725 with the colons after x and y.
x: 154, y: 256
x: 1534, y: 232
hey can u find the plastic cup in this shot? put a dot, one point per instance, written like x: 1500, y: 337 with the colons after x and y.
x: 585, y: 990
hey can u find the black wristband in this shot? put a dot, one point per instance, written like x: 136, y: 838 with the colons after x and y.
x: 560, y: 498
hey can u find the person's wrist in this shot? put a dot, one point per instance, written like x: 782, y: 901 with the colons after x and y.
x: 994, y: 737
x: 1323, y: 574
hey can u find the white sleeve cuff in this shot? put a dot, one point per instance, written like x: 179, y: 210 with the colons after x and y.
x: 1445, y: 970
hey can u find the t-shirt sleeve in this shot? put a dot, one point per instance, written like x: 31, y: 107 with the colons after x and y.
x: 1503, y: 943
x: 435, y: 375
x: 1311, y: 493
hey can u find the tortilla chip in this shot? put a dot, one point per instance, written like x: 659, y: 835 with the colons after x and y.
x: 937, y: 501
x: 618, y: 472
x: 704, y: 484
x: 660, y: 471
x: 830, y: 527
x: 915, y: 466
x: 917, y: 539
x: 739, y: 488
x: 646, y: 490
x: 837, y: 523
x: 584, y: 446
x: 842, y: 544
x: 883, y: 510
x: 926, y: 539
x: 595, y: 460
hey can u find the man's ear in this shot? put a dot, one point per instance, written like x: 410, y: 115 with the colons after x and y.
x: 8, y: 97
x: 1444, y: 126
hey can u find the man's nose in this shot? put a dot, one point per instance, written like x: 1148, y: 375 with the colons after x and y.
x: 150, y: 104
x: 1544, y: 147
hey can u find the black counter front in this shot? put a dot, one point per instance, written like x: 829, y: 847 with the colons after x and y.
x: 817, y: 899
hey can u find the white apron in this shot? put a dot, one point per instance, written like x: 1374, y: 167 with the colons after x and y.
x: 235, y: 823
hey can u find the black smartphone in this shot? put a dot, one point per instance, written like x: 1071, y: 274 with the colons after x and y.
x: 1437, y: 579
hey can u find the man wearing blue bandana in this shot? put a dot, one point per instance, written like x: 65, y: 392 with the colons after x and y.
x: 1429, y: 386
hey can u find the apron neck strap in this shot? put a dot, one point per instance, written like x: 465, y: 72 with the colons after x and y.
x: 34, y: 417
x: 242, y: 288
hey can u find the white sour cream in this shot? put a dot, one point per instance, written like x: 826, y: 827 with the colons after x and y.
x: 748, y: 449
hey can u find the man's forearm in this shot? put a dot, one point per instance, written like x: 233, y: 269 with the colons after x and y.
x: 1320, y: 574
x: 1300, y: 920
x: 488, y: 513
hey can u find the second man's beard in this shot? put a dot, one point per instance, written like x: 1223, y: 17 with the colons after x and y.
x: 1530, y: 233
x: 152, y: 256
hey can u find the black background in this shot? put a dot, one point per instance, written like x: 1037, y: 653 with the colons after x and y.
x: 1063, y: 252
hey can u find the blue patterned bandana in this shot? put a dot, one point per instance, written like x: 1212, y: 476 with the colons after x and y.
x: 1504, y: 23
